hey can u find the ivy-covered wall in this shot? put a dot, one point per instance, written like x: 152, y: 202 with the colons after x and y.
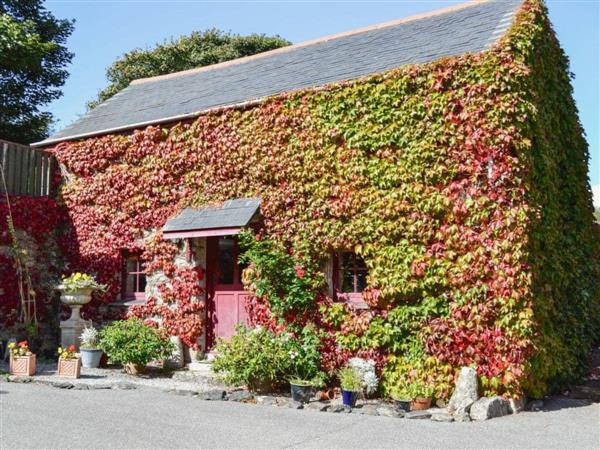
x: 461, y: 182
x: 34, y: 244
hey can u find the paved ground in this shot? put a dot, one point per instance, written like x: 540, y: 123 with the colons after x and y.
x: 35, y: 416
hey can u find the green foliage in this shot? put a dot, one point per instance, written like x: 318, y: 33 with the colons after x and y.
x: 257, y: 357
x: 350, y: 379
x: 90, y: 338
x: 597, y: 214
x: 32, y: 67
x: 288, y: 284
x: 130, y: 341
x: 187, y: 52
x: 254, y: 357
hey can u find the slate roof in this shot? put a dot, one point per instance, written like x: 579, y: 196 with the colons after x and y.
x: 462, y: 29
x: 232, y: 214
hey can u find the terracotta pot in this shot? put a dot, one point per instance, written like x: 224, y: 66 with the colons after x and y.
x: 326, y: 394
x: 22, y: 365
x: 69, y: 368
x: 134, y: 369
x: 420, y: 404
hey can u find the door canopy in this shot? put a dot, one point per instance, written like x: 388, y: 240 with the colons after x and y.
x: 226, y: 220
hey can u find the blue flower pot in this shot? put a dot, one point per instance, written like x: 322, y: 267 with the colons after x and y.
x: 90, y: 358
x: 349, y: 398
x: 402, y: 405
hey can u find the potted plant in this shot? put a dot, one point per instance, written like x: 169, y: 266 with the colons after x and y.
x: 402, y: 397
x: 133, y: 344
x: 69, y: 362
x: 22, y: 360
x: 420, y: 394
x: 90, y: 353
x: 351, y: 384
x: 301, y: 389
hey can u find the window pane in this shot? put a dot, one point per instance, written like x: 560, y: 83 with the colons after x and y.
x: 361, y: 280
x: 132, y: 264
x: 130, y: 285
x: 347, y: 278
x: 226, y: 260
x: 347, y: 259
x: 142, y: 283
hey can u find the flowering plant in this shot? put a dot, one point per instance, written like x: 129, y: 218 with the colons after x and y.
x: 78, y: 281
x: 90, y: 338
x: 366, y: 370
x: 19, y: 349
x: 67, y: 353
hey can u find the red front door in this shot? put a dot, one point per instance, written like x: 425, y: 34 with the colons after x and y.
x: 226, y: 293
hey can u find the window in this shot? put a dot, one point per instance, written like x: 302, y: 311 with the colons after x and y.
x: 133, y: 278
x: 229, y: 271
x: 350, y: 276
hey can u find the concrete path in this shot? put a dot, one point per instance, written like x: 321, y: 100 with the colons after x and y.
x: 36, y: 416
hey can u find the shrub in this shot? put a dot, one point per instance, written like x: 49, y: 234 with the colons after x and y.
x: 261, y: 358
x: 256, y: 357
x: 130, y: 341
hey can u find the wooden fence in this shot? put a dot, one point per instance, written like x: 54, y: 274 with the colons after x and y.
x: 27, y: 171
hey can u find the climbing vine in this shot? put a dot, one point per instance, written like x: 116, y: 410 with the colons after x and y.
x: 460, y: 182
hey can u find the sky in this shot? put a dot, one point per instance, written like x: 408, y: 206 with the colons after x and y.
x: 105, y: 29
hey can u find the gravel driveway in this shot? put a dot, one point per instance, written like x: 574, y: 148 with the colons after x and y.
x: 36, y: 416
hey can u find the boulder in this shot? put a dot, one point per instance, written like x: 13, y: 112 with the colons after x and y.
x: 465, y: 391
x: 317, y: 406
x: 463, y: 417
x: 240, y: 396
x: 516, y: 405
x: 487, y: 408
x: 535, y: 405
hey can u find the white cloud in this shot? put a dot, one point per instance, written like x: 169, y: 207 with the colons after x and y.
x: 596, y: 192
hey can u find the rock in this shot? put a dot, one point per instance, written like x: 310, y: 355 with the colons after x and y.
x: 535, y: 405
x: 441, y: 403
x: 213, y: 394
x: 283, y: 401
x: 462, y: 417
x: 417, y: 415
x: 61, y: 384
x: 388, y: 411
x: 266, y: 400
x: 516, y: 405
x: 181, y: 391
x: 295, y: 405
x: 339, y: 408
x: 442, y: 417
x: 369, y: 410
x: 124, y: 385
x: 240, y: 396
x: 465, y: 392
x: 317, y: 406
x: 488, y: 408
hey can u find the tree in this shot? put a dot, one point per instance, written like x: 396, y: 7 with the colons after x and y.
x: 188, y: 52
x: 33, y: 58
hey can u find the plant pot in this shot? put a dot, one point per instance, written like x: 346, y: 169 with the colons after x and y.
x: 349, y: 398
x: 90, y: 358
x: 69, y: 368
x: 402, y: 405
x: 301, y: 392
x: 325, y: 394
x: 134, y: 369
x: 420, y: 403
x: 23, y: 366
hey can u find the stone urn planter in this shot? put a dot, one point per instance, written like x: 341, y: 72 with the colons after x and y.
x: 69, y: 368
x: 76, y: 291
x: 23, y: 366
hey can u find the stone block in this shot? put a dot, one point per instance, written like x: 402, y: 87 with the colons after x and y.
x: 488, y: 408
x: 465, y: 392
x: 417, y: 415
x: 442, y: 417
